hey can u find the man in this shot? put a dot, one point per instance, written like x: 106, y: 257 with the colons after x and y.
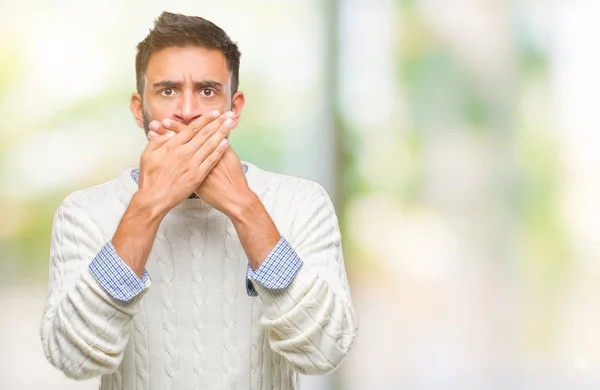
x: 248, y: 282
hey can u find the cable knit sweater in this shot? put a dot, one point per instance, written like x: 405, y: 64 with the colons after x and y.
x: 194, y: 326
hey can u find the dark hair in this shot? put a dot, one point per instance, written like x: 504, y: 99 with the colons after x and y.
x: 180, y: 31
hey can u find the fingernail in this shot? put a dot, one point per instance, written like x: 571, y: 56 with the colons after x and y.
x: 154, y: 125
x: 152, y: 134
x: 170, y: 133
x: 228, y: 122
x: 230, y: 114
x: 224, y: 143
x: 166, y: 123
x: 213, y: 113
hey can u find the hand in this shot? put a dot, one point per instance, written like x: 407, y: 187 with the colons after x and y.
x: 226, y: 188
x: 174, y: 164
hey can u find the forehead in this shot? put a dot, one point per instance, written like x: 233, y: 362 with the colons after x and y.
x: 183, y: 63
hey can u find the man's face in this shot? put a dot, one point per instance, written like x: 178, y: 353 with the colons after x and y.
x: 184, y: 83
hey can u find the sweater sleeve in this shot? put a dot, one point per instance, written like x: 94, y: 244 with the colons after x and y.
x: 312, y: 322
x: 84, y: 330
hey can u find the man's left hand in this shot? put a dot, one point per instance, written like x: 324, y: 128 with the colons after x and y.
x: 226, y: 188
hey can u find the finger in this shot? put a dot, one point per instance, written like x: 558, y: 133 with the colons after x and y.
x: 173, y: 125
x: 168, y: 134
x: 185, y: 133
x: 222, y: 127
x: 213, y: 159
x: 193, y: 127
x: 204, y: 148
x: 199, y: 123
x: 157, y: 127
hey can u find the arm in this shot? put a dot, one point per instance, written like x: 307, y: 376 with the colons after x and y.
x: 136, y: 233
x: 255, y: 228
x: 77, y: 336
x: 312, y: 322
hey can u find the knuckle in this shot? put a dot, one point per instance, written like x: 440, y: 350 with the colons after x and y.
x: 197, y: 125
x: 204, y: 131
x: 171, y: 147
x: 214, y: 126
x: 219, y: 151
x: 179, y: 152
x: 210, y: 130
x: 200, y: 122
x: 213, y: 159
x: 223, y: 130
x: 212, y: 143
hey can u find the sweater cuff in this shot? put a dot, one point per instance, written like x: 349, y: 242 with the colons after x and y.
x: 303, y: 288
x: 277, y: 271
x: 116, y: 277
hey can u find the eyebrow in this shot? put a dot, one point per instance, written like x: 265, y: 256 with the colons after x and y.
x: 197, y: 84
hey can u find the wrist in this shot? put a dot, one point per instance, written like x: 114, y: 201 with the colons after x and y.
x: 145, y: 206
x: 246, y: 208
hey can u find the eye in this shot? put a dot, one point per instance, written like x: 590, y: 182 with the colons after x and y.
x: 167, y: 92
x: 207, y: 92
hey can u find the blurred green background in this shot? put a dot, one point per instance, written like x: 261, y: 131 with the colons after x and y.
x: 458, y: 139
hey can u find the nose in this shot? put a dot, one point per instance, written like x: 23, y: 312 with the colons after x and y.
x: 188, y: 108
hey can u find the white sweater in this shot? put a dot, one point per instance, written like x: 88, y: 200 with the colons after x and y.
x: 194, y: 326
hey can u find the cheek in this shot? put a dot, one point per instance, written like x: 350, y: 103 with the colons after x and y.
x: 161, y: 109
x: 215, y: 105
x: 222, y: 103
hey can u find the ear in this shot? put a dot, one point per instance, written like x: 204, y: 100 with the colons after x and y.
x: 136, y: 109
x: 237, y: 103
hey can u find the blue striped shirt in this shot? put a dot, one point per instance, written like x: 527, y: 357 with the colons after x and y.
x: 276, y: 272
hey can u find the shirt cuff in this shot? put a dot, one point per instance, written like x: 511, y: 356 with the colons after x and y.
x: 115, y: 276
x: 277, y: 271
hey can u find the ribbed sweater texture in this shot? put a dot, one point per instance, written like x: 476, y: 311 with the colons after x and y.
x: 194, y: 326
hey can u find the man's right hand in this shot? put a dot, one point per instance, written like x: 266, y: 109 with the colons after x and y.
x: 174, y: 164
